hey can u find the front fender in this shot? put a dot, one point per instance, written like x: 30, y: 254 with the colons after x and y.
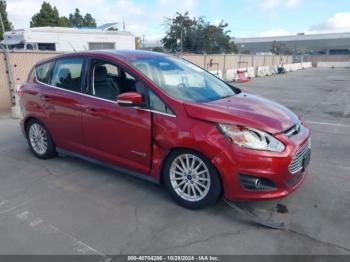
x: 171, y: 133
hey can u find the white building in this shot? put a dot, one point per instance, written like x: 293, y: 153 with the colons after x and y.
x: 68, y: 39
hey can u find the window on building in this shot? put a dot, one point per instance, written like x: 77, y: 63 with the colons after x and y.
x: 47, y: 46
x: 30, y: 46
x: 101, y: 46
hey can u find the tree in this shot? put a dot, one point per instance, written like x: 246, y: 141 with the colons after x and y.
x: 198, y: 35
x: 89, y: 20
x: 276, y: 48
x: 77, y: 20
x: 7, y: 23
x: 47, y: 16
x: 217, y: 40
x: 64, y: 22
x: 179, y: 27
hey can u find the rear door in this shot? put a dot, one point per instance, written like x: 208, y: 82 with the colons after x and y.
x: 63, y: 98
x: 119, y: 135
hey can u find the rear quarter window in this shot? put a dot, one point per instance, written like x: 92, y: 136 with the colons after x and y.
x: 67, y: 73
x: 31, y: 76
x: 42, y: 71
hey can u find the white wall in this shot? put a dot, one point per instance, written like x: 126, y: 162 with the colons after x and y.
x: 333, y: 64
x: 67, y: 42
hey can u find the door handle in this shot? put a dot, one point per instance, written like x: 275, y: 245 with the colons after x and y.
x: 45, y: 98
x: 92, y: 111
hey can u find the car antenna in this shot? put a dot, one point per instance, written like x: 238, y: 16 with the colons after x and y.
x: 254, y: 218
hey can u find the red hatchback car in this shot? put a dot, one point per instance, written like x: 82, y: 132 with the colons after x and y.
x: 166, y: 120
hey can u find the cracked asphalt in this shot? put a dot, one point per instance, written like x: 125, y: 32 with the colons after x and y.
x: 68, y: 206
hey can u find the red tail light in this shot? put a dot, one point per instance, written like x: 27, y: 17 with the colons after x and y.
x: 20, y: 91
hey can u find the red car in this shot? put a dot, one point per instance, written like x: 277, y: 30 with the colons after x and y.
x: 166, y: 120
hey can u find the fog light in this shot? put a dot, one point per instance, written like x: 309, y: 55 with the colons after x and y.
x: 256, y: 183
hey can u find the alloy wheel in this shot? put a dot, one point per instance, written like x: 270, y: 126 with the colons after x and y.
x: 190, y: 177
x: 38, y: 138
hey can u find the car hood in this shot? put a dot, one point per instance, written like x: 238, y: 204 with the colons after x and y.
x: 247, y: 110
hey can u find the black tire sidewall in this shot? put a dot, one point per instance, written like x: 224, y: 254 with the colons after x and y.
x: 51, y: 148
x: 215, y: 183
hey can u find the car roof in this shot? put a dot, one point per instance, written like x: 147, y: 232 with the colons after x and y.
x: 130, y: 54
x: 120, y: 54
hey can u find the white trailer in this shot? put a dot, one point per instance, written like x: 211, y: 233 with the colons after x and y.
x: 68, y: 39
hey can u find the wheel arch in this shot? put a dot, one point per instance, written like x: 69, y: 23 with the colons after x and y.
x: 174, y: 149
x: 28, y: 119
x: 26, y: 122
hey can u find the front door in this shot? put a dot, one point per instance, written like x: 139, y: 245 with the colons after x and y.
x: 118, y: 135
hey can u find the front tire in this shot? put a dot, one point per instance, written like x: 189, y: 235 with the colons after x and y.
x: 191, y: 179
x: 39, y: 140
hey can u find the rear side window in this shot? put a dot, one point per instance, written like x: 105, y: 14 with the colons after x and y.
x: 42, y: 71
x: 67, y: 74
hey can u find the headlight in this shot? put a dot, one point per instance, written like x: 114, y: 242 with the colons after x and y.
x: 251, y: 138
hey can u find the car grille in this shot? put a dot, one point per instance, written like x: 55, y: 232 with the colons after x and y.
x: 299, y: 160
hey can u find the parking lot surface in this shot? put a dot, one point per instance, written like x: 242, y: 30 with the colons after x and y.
x: 68, y: 206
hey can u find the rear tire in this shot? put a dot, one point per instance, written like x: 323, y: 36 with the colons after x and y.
x: 39, y: 140
x: 191, y: 179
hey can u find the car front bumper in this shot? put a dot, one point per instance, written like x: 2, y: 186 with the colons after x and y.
x: 235, y: 162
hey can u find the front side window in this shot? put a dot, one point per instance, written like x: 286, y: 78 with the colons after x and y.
x: 67, y: 74
x: 157, y: 104
x: 108, y: 80
x: 183, y: 80
x: 42, y: 71
x: 105, y: 80
x: 129, y: 77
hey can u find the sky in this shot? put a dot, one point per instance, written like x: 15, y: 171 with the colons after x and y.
x: 246, y: 18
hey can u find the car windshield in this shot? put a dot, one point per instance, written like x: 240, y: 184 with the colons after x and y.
x: 183, y: 80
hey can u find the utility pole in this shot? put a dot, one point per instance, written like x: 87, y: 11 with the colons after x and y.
x: 181, y: 41
x: 143, y: 42
x: 8, y: 64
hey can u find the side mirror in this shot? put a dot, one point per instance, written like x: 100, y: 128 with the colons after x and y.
x: 130, y: 99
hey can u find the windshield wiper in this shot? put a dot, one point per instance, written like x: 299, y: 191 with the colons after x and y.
x: 226, y: 96
x: 223, y: 97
